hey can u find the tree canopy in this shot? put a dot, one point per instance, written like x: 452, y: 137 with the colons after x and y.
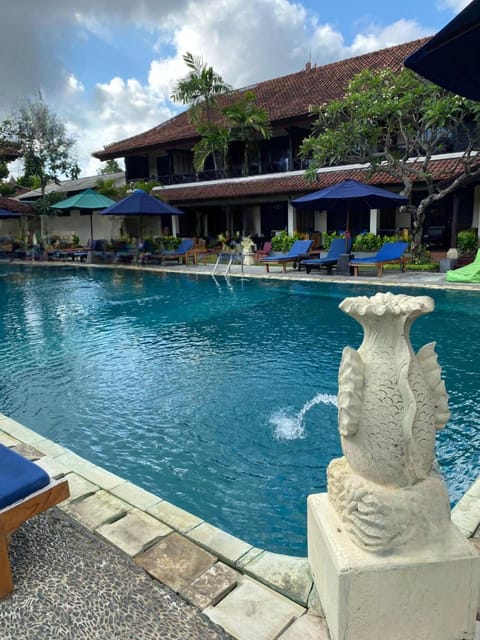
x: 199, y: 88
x: 395, y: 122
x: 42, y: 141
x: 110, y: 166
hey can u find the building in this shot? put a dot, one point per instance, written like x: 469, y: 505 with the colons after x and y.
x: 259, y: 203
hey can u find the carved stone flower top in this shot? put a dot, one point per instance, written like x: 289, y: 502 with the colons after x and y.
x: 387, y: 304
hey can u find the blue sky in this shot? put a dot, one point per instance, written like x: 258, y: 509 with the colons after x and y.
x: 107, y: 68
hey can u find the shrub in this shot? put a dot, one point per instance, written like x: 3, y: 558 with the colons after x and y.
x: 283, y: 242
x: 467, y: 242
x: 170, y: 242
x: 368, y: 242
x: 328, y: 237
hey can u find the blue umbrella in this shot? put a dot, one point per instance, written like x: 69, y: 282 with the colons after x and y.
x: 350, y: 195
x: 139, y: 203
x: 450, y: 58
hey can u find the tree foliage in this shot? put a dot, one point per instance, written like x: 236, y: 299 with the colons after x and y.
x: 42, y: 141
x: 395, y: 122
x: 242, y: 120
x: 215, y: 142
x: 110, y: 166
x: 248, y: 121
x: 199, y: 89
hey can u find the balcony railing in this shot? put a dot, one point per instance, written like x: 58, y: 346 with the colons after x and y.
x: 225, y: 174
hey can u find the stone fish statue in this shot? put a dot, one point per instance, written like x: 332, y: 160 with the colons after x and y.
x: 391, y: 402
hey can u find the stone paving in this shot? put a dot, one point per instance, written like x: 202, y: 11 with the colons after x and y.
x: 71, y: 585
x: 157, y: 550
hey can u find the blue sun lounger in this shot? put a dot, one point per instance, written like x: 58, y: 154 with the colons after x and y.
x: 25, y: 490
x: 179, y: 254
x: 338, y: 247
x: 298, y: 249
x: 389, y: 253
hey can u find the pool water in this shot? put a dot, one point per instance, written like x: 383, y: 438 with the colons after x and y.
x: 216, y: 395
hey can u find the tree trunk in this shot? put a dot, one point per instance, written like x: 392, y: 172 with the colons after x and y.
x: 418, y: 218
x: 453, y: 235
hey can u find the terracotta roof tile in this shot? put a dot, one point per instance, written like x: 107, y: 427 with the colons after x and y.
x: 285, y: 184
x: 285, y: 98
x: 14, y: 205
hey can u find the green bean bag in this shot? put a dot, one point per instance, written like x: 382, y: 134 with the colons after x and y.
x: 468, y: 273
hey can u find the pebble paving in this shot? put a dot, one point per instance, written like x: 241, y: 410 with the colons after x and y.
x: 71, y: 585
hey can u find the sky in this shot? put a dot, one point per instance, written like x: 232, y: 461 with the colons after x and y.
x: 107, y: 67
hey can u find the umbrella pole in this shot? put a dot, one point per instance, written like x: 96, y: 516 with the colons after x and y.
x: 347, y: 228
x: 91, y: 228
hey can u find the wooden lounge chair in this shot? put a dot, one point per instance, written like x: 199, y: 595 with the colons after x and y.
x: 25, y: 491
x: 180, y: 254
x: 338, y: 247
x: 297, y: 252
x: 389, y: 253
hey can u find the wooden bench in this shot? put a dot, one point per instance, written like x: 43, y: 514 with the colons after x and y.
x: 401, y: 261
x: 14, y: 514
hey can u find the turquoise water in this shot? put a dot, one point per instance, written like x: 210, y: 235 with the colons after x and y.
x: 218, y: 396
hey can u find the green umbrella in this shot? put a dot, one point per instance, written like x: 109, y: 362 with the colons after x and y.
x: 88, y: 201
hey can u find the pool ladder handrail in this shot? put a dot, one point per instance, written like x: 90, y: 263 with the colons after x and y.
x: 233, y: 255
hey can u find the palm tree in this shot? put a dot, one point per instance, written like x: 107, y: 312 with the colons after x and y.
x: 199, y: 88
x: 215, y: 140
x: 249, y: 121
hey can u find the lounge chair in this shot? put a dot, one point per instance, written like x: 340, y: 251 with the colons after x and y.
x: 468, y: 273
x: 25, y: 490
x: 389, y: 253
x: 338, y: 247
x: 298, y: 250
x: 179, y: 254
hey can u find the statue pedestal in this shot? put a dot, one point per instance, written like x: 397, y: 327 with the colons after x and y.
x: 426, y: 593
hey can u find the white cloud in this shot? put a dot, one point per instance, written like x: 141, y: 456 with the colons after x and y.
x: 377, y: 37
x: 454, y: 5
x: 73, y: 84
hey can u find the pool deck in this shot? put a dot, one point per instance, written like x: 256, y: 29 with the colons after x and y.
x: 225, y: 586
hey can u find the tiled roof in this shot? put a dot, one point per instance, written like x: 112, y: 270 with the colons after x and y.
x: 285, y: 98
x: 74, y: 186
x: 291, y: 183
x: 14, y: 205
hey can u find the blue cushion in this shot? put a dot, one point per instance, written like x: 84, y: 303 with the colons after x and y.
x: 18, y: 477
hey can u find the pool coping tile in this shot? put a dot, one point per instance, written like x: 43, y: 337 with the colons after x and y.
x: 135, y: 495
x: 253, y: 612
x: 134, y: 532
x: 96, y: 509
x: 175, y: 517
x: 223, y: 544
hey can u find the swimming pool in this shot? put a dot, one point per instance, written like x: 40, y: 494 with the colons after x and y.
x: 199, y: 389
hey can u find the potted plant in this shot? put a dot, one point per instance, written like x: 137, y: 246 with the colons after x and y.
x: 248, y: 249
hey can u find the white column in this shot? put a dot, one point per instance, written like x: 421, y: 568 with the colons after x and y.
x: 292, y: 219
x: 374, y: 220
x: 476, y: 210
x: 175, y: 226
x: 257, y: 219
x: 320, y: 221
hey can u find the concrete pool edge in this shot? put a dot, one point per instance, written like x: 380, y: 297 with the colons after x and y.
x: 136, y: 521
